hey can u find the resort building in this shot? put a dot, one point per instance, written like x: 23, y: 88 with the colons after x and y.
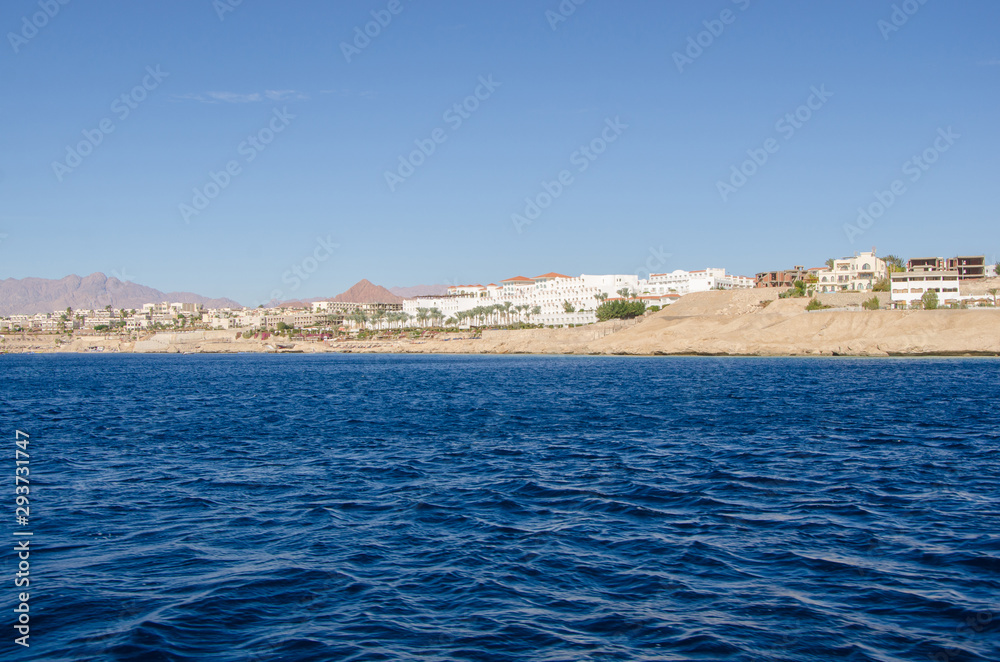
x: 684, y: 282
x: 852, y: 274
x: 908, y: 287
x: 550, y: 299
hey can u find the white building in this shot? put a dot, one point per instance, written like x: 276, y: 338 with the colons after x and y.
x: 552, y: 294
x: 851, y: 274
x: 684, y: 282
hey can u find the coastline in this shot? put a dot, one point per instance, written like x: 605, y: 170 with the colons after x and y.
x: 749, y: 323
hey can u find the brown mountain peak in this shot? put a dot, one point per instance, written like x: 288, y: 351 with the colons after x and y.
x: 364, y: 291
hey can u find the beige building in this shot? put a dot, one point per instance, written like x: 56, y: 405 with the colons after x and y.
x: 850, y: 274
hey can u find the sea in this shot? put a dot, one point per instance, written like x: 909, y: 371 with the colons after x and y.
x: 502, y: 508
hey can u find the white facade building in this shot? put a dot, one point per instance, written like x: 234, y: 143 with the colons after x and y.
x: 684, y: 282
x: 908, y: 287
x: 550, y: 293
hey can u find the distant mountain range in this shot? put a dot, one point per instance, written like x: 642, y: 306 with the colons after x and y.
x: 28, y: 296
x: 420, y: 291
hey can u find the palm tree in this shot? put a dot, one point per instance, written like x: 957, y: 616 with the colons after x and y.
x: 894, y: 263
x: 993, y: 292
x: 358, y: 317
x: 436, y: 315
x: 422, y: 315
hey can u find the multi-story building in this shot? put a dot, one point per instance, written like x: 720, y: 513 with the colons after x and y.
x: 784, y: 278
x: 684, y: 282
x: 853, y: 274
x: 908, y: 287
x: 552, y: 294
x: 968, y: 267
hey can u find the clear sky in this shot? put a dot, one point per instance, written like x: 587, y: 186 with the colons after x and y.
x: 310, y: 118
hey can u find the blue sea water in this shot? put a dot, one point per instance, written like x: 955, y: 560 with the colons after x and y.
x: 506, y: 508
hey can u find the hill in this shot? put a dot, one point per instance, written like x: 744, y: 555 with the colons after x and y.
x: 28, y: 296
x: 366, y: 292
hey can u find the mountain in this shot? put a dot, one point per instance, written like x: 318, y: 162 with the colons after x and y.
x: 28, y: 296
x: 419, y: 291
x: 366, y: 292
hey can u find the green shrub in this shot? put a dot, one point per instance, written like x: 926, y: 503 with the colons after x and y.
x: 872, y: 304
x: 620, y: 310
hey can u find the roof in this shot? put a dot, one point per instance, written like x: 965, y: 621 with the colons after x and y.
x: 517, y: 279
x: 552, y: 274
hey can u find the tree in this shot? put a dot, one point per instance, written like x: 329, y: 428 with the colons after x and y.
x: 422, y: 315
x: 601, y: 296
x: 568, y: 307
x: 830, y: 262
x: 872, y: 304
x: 882, y: 285
x: 930, y: 300
x: 894, y: 263
x: 359, y: 317
x: 620, y: 310
x: 993, y: 292
x: 815, y: 304
x: 624, y: 293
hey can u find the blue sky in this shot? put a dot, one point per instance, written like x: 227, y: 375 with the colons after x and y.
x: 660, y: 195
